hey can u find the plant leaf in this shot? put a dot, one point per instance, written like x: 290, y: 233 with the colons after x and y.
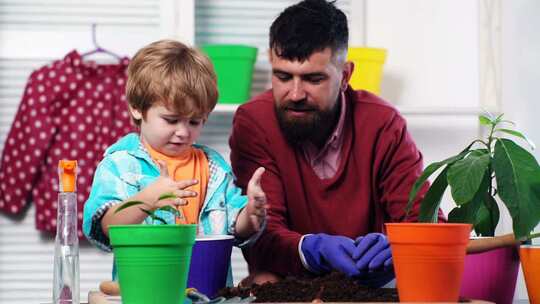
x: 466, y: 175
x: 498, y: 119
x: 149, y: 213
x: 168, y: 195
x: 462, y: 214
x: 508, y: 122
x: 429, y: 207
x: 487, y: 217
x: 427, y: 173
x: 518, y: 134
x: 518, y: 176
x: 159, y: 219
x: 127, y: 205
x: 467, y: 213
x: 484, y: 120
x: 170, y: 209
x: 153, y: 216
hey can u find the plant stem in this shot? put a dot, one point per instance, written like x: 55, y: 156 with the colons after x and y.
x: 532, y: 236
x: 481, y: 142
x: 491, y: 189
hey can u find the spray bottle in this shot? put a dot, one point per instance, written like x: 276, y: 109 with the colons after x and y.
x: 66, y: 245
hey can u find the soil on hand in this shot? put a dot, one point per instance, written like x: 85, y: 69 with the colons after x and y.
x: 334, y: 287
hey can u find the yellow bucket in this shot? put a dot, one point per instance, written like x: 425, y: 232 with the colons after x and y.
x: 368, y: 65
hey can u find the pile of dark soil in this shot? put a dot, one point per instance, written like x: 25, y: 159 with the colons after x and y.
x: 334, y: 287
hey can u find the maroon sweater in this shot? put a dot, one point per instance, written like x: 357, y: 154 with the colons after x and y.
x: 378, y: 166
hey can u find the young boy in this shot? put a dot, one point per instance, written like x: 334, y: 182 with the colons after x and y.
x: 171, y: 90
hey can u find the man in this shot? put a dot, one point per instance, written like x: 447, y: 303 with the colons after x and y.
x: 339, y: 163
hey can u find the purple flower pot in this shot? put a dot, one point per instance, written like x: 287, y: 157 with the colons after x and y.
x: 491, y: 275
x: 210, y: 262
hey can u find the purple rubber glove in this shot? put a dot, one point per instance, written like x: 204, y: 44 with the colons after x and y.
x: 374, y: 260
x: 372, y: 252
x: 376, y: 279
x: 324, y: 253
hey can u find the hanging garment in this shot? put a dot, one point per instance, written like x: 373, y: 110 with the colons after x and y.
x: 70, y: 109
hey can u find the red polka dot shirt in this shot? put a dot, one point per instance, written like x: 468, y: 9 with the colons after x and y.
x: 70, y: 109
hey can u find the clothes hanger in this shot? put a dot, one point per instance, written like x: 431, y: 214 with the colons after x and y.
x: 98, y: 49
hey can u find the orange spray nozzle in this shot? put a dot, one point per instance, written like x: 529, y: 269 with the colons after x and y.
x: 67, y: 173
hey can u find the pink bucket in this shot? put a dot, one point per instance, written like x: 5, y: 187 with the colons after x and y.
x: 491, y: 275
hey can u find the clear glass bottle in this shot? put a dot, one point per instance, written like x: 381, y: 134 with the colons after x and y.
x: 66, y: 245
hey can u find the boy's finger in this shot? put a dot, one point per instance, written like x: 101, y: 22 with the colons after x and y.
x: 256, y: 222
x: 259, y: 198
x: 181, y: 202
x: 182, y: 184
x: 163, y: 168
x: 260, y: 212
x: 256, y: 178
x: 185, y: 193
x: 173, y: 202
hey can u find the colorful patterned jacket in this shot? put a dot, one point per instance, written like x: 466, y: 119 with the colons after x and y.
x: 127, y: 168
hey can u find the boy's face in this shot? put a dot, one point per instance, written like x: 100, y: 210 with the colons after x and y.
x: 166, y: 131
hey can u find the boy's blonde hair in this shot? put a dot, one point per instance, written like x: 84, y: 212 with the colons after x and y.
x: 171, y: 74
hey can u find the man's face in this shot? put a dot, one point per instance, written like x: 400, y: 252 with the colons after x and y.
x: 306, y: 93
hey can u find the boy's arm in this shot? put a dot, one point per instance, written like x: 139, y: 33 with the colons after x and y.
x: 108, y: 190
x: 127, y: 216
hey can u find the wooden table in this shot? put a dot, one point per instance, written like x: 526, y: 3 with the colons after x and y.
x: 97, y: 297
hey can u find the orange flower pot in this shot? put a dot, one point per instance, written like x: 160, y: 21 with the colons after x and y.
x: 428, y: 260
x: 530, y: 263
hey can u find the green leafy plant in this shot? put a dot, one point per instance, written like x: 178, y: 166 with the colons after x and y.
x: 486, y: 169
x: 152, y: 213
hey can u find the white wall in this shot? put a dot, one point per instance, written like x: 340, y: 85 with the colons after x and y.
x: 432, y: 50
x: 521, y: 74
x: 521, y: 66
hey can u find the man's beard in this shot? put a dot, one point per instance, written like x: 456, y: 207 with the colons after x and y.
x: 313, y: 128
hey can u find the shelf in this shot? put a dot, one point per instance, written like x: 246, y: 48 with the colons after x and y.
x: 405, y: 110
x: 440, y: 111
x: 226, y: 108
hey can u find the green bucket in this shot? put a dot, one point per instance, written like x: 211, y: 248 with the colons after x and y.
x: 234, y: 69
x: 152, y: 261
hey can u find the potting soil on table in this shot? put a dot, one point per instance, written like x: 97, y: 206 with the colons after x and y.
x: 334, y: 287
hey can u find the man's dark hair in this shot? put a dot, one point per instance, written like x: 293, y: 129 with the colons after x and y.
x: 307, y: 27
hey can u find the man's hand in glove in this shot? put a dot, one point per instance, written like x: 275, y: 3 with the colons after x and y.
x: 373, y: 258
x: 325, y: 253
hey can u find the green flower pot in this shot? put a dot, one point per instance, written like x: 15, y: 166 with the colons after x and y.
x: 234, y: 68
x: 152, y: 261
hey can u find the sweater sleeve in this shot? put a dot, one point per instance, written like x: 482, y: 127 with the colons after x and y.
x: 249, y: 150
x: 27, y: 143
x: 401, y: 165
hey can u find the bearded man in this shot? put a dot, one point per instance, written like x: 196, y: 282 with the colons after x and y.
x: 339, y: 162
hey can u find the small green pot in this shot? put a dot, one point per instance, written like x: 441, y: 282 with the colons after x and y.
x: 234, y: 66
x: 152, y: 261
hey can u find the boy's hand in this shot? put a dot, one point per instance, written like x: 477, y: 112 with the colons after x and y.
x: 164, y: 185
x: 256, y: 206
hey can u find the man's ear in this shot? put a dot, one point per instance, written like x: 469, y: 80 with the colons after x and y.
x: 270, y: 55
x: 348, y: 69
